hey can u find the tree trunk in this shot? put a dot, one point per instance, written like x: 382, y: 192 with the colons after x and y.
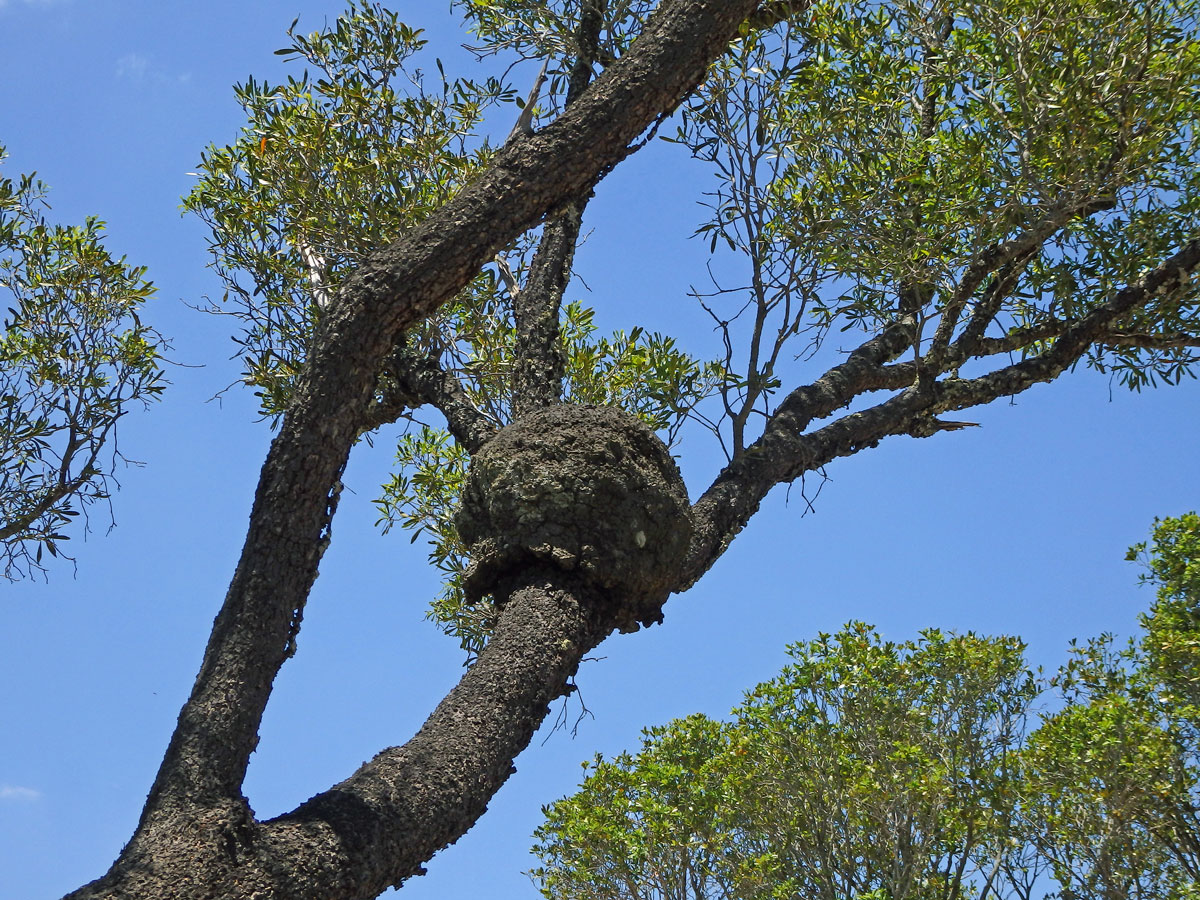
x: 379, y: 826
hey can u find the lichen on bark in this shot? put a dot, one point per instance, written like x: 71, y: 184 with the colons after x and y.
x: 588, y: 489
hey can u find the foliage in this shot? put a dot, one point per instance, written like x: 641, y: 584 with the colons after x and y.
x: 549, y: 31
x: 882, y: 770
x: 866, y: 769
x: 1115, y: 775
x: 1105, y: 779
x: 867, y: 154
x: 1171, y: 645
x: 645, y: 825
x: 331, y: 164
x: 341, y: 159
x: 74, y: 358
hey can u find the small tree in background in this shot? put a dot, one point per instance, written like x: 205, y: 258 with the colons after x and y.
x: 74, y: 358
x: 1115, y: 776
x: 866, y: 769
x: 869, y: 769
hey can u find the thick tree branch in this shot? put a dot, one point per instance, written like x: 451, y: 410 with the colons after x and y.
x: 393, y: 814
x: 534, y: 175
x: 784, y: 453
x: 378, y: 827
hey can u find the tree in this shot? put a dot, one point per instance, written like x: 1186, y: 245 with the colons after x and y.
x: 1114, y: 777
x: 871, y: 769
x: 1051, y: 262
x: 866, y: 769
x: 74, y: 357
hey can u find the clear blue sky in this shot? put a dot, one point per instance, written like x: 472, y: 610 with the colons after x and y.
x: 1019, y: 526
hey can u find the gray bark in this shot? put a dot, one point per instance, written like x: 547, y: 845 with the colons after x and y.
x: 196, y: 836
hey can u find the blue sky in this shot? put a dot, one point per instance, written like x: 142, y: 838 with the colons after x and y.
x: 1016, y: 527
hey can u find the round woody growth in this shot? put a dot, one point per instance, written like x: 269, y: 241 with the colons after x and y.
x: 589, y: 489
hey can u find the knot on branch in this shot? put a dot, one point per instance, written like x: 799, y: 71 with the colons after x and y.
x: 588, y: 489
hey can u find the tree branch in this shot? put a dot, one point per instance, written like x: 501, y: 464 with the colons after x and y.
x: 16, y: 529
x: 399, y: 809
x: 1073, y: 342
x: 379, y: 826
x: 417, y: 381
x: 539, y: 366
x: 774, y: 13
x: 783, y: 453
x: 205, y: 763
x: 736, y: 493
x: 1174, y: 341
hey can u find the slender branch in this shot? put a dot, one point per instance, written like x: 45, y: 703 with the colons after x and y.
x: 16, y: 529
x: 65, y: 484
x: 1072, y: 343
x: 1173, y: 341
x: 524, y: 124
x: 917, y: 289
x: 1005, y: 260
x: 783, y: 453
x: 999, y: 289
x: 539, y: 365
x: 413, y: 381
x: 774, y: 13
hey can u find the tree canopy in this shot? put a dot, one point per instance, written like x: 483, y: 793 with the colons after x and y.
x: 74, y: 358
x: 871, y: 164
x: 915, y: 770
x: 916, y: 209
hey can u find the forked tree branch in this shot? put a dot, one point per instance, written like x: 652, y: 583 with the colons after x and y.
x: 201, y: 774
x: 784, y: 453
x: 738, y: 490
x: 394, y: 288
x: 412, y: 381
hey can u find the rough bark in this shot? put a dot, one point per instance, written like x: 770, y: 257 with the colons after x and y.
x: 195, y: 821
x: 378, y: 827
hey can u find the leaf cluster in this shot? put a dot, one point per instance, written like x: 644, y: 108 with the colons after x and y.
x: 866, y: 157
x: 74, y: 358
x: 883, y: 770
x: 549, y: 31
x: 333, y: 163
